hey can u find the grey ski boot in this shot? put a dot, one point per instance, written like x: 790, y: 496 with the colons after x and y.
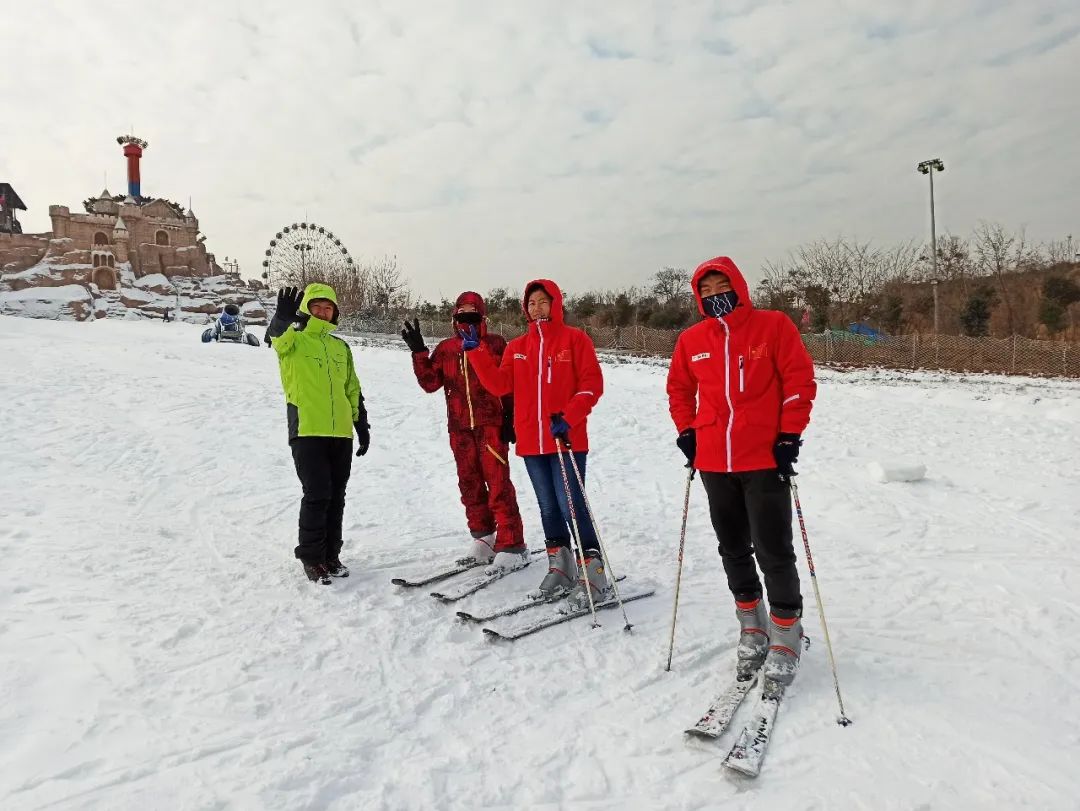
x: 785, y: 647
x: 561, y: 576
x: 753, y: 637
x: 593, y: 577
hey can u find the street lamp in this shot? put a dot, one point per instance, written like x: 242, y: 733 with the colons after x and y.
x: 927, y: 168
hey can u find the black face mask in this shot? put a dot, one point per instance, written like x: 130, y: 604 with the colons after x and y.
x: 721, y: 304
x: 468, y: 318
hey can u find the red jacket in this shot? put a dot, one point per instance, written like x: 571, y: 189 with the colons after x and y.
x: 739, y: 381
x: 551, y: 368
x: 468, y: 403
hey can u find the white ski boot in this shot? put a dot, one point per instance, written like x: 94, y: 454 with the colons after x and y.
x: 508, y: 560
x: 481, y: 551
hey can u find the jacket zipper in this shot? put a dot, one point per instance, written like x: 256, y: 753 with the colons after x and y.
x: 539, y: 388
x: 468, y: 396
x: 330, y: 382
x: 742, y: 380
x: 727, y: 388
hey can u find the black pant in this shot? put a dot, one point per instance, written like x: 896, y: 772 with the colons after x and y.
x: 323, y: 464
x: 751, y: 513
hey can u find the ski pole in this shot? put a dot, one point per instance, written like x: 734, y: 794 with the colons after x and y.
x: 573, y: 521
x: 843, y: 720
x: 678, y: 575
x: 600, y: 540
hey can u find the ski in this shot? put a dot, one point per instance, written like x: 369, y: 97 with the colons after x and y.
x: 748, y: 752
x: 524, y: 605
x: 435, y: 577
x: 460, y: 566
x: 716, y: 719
x: 473, y: 585
x: 526, y: 629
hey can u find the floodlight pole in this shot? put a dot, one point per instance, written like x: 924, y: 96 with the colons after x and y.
x: 927, y: 168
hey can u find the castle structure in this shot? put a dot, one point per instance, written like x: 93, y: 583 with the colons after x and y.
x: 129, y: 252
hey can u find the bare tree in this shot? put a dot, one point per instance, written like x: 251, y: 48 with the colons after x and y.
x: 671, y: 284
x: 388, y: 287
x: 1000, y: 254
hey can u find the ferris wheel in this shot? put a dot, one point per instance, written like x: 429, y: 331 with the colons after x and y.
x: 304, y: 252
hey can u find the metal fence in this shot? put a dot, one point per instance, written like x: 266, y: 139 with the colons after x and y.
x: 1015, y: 355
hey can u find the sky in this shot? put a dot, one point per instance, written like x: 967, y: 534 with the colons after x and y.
x: 485, y: 143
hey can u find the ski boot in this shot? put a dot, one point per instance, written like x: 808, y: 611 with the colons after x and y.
x: 753, y: 637
x: 316, y: 572
x: 594, y: 578
x: 562, y: 573
x: 481, y: 551
x: 785, y: 647
x: 335, y: 568
x: 509, y: 559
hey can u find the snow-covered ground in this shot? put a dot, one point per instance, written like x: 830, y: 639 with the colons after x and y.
x: 160, y: 649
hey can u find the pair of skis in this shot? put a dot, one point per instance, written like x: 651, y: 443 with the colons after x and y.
x: 484, y: 579
x: 748, y: 751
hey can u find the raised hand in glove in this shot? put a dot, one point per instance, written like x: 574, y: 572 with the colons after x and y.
x: 412, y: 337
x: 289, y: 300
x: 786, y: 453
x: 470, y: 336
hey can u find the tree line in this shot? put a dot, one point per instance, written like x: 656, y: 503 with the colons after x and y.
x: 993, y: 282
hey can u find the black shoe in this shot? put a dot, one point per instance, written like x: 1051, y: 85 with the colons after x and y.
x: 337, y: 569
x: 316, y: 573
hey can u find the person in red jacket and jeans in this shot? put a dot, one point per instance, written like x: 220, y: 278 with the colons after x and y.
x: 740, y: 389
x: 555, y: 378
x: 481, y: 428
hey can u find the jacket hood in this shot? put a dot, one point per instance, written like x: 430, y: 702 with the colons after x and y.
x: 552, y: 290
x: 725, y: 265
x: 475, y: 299
x: 318, y: 290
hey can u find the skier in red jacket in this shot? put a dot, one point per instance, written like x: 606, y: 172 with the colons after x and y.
x: 481, y: 428
x: 555, y: 378
x: 740, y: 389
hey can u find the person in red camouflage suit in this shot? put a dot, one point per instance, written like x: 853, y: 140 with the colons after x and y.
x: 481, y: 427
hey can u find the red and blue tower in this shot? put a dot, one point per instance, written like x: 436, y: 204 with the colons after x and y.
x: 133, y: 149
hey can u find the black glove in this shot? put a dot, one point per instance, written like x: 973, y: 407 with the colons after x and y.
x: 560, y: 428
x: 363, y: 430
x: 506, y: 433
x: 289, y: 300
x: 411, y: 335
x: 363, y: 437
x: 786, y: 453
x: 687, y: 442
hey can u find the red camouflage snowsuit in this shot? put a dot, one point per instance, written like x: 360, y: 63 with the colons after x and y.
x: 474, y: 419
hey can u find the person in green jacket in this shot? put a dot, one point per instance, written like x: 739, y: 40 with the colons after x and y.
x: 324, y: 406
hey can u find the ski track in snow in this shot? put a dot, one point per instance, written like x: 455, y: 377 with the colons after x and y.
x: 160, y: 648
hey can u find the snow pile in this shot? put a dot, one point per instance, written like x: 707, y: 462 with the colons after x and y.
x: 896, y: 471
x: 67, y: 301
x: 159, y: 647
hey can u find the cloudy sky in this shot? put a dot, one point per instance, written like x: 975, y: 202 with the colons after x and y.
x: 487, y: 141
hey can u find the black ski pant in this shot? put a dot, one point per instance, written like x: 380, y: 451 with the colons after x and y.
x: 323, y: 464
x: 751, y: 513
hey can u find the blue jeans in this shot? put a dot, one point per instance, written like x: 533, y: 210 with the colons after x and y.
x: 547, y: 482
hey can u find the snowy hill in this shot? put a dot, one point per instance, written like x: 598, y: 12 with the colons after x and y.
x: 160, y: 649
